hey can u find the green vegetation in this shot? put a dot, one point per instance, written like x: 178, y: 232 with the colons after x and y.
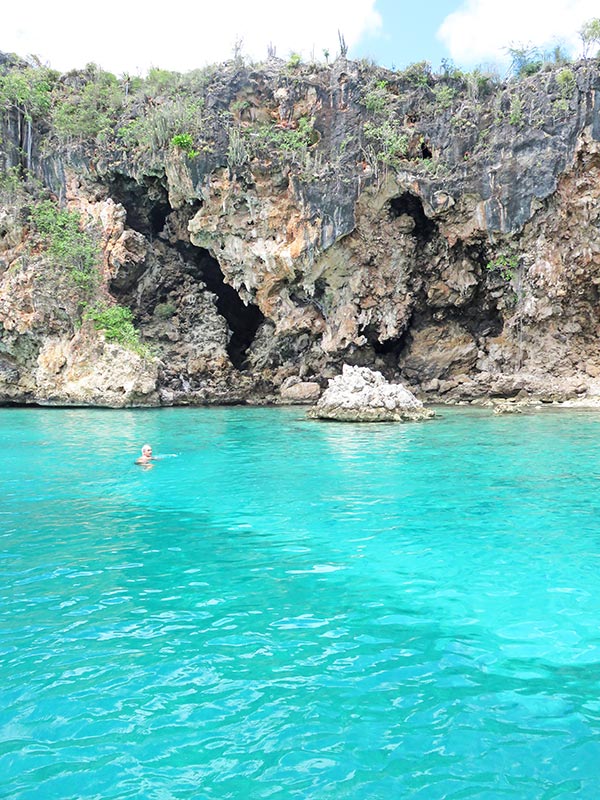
x: 384, y: 135
x: 183, y: 141
x: 287, y: 140
x: 482, y: 84
x: 451, y: 72
x: 389, y: 140
x: 418, y: 74
x: 83, y: 105
x: 444, y: 95
x: 163, y: 83
x: 505, y: 264
x: 117, y: 324
x: 162, y: 124
x: 239, y: 106
x: 88, y: 112
x: 526, y: 61
x: 516, y: 111
x: 377, y: 98
x: 68, y: 245
x: 237, y: 152
x: 28, y: 91
x: 11, y: 185
x: 167, y: 84
x: 295, y: 60
x: 590, y: 35
x: 566, y: 83
x: 165, y: 310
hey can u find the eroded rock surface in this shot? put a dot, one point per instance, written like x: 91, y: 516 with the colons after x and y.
x: 292, y: 239
x: 360, y: 394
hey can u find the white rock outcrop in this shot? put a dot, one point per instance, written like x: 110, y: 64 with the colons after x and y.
x: 360, y: 394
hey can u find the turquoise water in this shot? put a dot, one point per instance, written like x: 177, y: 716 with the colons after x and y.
x: 294, y: 609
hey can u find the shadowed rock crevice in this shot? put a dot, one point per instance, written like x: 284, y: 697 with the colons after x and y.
x: 480, y: 321
x: 470, y: 266
x: 388, y: 349
x: 408, y: 205
x: 147, y: 203
x: 481, y: 315
x: 243, y: 320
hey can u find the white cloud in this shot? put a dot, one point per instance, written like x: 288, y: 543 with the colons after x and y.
x: 131, y: 36
x: 482, y: 30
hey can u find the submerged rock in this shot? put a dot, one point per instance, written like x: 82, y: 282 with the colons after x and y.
x: 506, y: 407
x: 360, y: 394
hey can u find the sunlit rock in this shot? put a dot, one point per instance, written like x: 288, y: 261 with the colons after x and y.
x: 360, y: 394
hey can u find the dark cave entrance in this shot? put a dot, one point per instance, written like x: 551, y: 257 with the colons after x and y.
x: 243, y: 320
x: 147, y: 204
x: 412, y: 206
x: 148, y: 208
x: 388, y: 349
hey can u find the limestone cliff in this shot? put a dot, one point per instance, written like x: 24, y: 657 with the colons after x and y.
x: 266, y: 224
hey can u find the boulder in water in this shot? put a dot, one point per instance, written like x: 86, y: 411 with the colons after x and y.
x: 360, y: 394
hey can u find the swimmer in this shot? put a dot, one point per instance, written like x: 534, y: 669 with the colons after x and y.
x: 146, y: 459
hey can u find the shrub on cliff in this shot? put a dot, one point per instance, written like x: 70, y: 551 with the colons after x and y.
x: 418, y: 74
x: 176, y: 122
x: 12, y: 188
x: 377, y: 98
x: 27, y: 91
x: 66, y: 242
x: 88, y: 111
x: 444, y: 95
x: 289, y: 141
x: 590, y: 35
x: 116, y: 322
x: 389, y: 141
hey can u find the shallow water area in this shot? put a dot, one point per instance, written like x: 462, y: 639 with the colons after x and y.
x: 285, y: 608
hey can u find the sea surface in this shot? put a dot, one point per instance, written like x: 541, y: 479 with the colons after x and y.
x: 284, y: 608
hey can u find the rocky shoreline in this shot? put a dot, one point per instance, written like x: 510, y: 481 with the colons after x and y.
x: 290, y: 219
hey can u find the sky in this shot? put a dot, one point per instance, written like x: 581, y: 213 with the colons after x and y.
x: 131, y: 36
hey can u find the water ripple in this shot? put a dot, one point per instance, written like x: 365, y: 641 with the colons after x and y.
x: 386, y: 626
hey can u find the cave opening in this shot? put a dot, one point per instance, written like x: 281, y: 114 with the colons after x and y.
x: 158, y: 217
x: 147, y: 203
x: 387, y: 347
x: 480, y: 318
x: 426, y: 153
x: 243, y: 320
x: 409, y: 204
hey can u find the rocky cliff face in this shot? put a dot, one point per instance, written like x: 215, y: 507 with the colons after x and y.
x: 267, y: 224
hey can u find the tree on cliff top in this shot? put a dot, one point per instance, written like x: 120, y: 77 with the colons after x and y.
x: 590, y: 35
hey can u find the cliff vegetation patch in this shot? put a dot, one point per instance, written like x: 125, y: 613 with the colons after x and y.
x: 67, y: 243
x: 116, y: 322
